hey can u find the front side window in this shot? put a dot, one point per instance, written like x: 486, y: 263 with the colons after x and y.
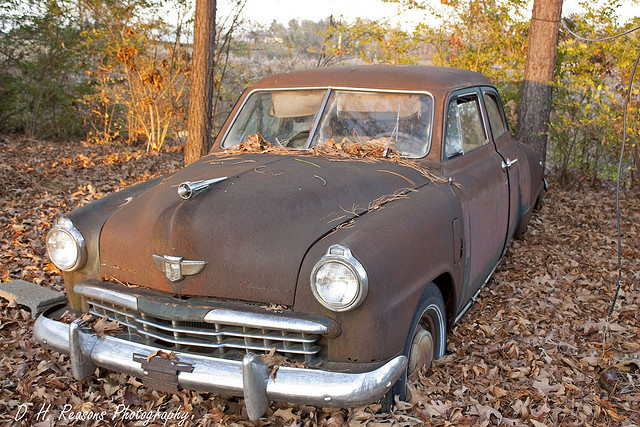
x: 397, y: 121
x: 464, y: 130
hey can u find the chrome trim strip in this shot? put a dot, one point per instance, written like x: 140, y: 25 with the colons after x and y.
x: 107, y: 295
x: 230, y: 329
x: 265, y: 321
x: 208, y: 333
x: 475, y: 296
x: 316, y: 121
x: 296, y: 385
x: 239, y: 344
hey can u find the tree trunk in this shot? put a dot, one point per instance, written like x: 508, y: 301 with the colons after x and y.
x: 535, y: 98
x: 201, y: 89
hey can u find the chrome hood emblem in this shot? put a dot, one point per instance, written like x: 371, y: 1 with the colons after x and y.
x: 175, y: 267
x: 189, y: 189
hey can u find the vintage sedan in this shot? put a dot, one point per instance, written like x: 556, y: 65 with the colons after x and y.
x: 342, y: 223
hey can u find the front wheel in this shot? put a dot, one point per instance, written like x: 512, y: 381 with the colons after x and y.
x: 426, y: 341
x: 428, y: 333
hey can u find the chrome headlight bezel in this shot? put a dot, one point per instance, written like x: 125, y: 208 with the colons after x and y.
x: 342, y: 256
x: 65, y: 225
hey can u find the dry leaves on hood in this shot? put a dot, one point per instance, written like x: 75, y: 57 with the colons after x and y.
x: 370, y: 151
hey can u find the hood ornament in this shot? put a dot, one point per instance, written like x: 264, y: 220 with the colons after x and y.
x: 189, y: 189
x: 175, y: 267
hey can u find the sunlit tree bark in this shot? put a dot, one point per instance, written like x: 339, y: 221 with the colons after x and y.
x: 201, y: 90
x: 537, y: 91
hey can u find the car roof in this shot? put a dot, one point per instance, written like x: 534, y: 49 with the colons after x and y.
x: 392, y: 77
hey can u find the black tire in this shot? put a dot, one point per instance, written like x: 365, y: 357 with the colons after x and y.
x: 430, y: 316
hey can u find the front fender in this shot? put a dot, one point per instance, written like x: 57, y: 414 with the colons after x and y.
x: 89, y: 220
x: 403, y: 245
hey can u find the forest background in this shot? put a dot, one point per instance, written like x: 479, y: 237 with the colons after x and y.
x: 118, y: 71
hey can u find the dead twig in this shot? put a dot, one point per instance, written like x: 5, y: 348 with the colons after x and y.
x: 310, y: 163
x: 324, y: 183
x: 397, y: 174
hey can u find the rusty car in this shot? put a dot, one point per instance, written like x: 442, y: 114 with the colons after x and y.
x: 341, y: 224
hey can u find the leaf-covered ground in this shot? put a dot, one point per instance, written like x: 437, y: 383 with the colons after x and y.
x: 528, y: 352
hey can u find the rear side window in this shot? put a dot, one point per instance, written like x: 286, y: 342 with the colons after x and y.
x: 464, y: 129
x: 496, y: 116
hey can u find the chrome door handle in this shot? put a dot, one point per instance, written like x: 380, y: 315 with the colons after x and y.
x: 508, y: 163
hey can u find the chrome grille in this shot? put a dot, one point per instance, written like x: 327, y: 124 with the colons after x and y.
x: 215, y: 339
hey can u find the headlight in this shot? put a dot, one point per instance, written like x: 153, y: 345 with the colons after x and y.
x: 338, y: 280
x: 65, y: 246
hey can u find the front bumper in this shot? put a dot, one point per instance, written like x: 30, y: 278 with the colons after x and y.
x: 249, y: 378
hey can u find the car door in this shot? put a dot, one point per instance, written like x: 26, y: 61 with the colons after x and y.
x: 508, y: 150
x: 474, y: 168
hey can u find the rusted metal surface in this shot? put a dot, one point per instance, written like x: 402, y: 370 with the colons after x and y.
x: 256, y: 235
x: 405, y: 77
x: 483, y: 192
x: 252, y: 229
x: 413, y: 252
x: 90, y: 219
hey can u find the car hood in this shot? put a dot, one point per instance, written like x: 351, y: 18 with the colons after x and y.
x: 252, y: 229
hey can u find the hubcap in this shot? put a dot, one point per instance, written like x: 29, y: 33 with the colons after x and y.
x: 421, y: 353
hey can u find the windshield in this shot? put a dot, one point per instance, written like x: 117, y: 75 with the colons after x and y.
x: 400, y: 122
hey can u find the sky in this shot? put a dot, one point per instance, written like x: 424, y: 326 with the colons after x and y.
x: 265, y: 11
